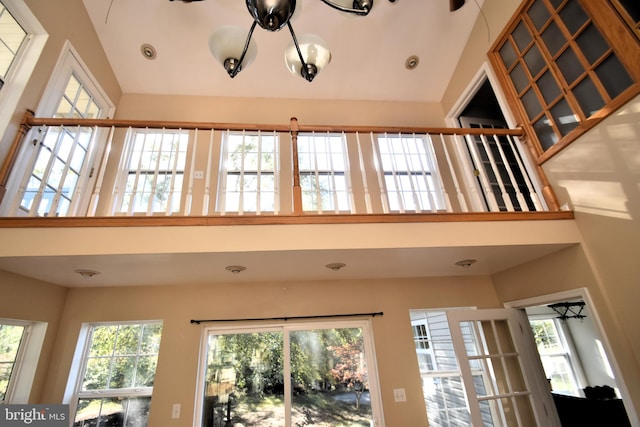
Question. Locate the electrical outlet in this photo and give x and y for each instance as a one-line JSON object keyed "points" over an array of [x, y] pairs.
{"points": [[399, 395], [175, 411], [198, 174]]}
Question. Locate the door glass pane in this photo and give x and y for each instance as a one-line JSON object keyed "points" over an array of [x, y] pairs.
{"points": [[613, 76], [244, 382], [329, 380]]}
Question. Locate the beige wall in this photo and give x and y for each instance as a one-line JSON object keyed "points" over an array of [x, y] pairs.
{"points": [[176, 306], [35, 301]]}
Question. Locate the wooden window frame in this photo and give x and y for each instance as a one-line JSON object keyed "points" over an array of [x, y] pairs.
{"points": [[623, 43]]}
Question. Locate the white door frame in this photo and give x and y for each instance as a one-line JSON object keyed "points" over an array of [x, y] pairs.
{"points": [[583, 293]]}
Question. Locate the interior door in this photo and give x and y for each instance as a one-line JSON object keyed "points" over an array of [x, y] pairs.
{"points": [[506, 185], [502, 377]]}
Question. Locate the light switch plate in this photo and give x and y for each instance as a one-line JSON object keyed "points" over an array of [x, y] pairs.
{"points": [[399, 395], [175, 411]]}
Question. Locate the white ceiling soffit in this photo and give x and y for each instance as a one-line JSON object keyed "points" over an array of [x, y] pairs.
{"points": [[368, 53]]}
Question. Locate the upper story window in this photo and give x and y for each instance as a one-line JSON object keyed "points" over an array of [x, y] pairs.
{"points": [[153, 176], [12, 337], [568, 65], [12, 38], [324, 178], [408, 167], [249, 172], [116, 380]]}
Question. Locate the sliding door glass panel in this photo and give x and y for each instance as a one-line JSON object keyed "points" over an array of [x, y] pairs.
{"points": [[329, 380], [244, 382]]}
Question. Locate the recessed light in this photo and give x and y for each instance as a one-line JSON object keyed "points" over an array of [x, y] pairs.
{"points": [[335, 266], [148, 51], [466, 263], [235, 269], [412, 62]]}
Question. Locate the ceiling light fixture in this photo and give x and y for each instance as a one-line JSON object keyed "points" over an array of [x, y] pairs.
{"points": [[305, 56], [86, 273], [466, 263], [148, 51]]}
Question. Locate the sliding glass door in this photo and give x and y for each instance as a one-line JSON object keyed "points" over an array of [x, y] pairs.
{"points": [[293, 375]]}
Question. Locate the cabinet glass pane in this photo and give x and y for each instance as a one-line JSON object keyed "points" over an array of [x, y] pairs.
{"points": [[588, 97], [574, 16], [569, 65], [546, 134], [508, 54], [613, 76], [519, 78], [553, 38], [521, 36], [592, 44], [531, 104], [565, 119], [534, 60], [539, 14], [548, 87]]}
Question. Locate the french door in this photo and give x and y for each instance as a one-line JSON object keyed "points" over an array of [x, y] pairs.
{"points": [[293, 375], [503, 380]]}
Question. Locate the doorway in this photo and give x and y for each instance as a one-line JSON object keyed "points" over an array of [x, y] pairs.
{"points": [[582, 377]]}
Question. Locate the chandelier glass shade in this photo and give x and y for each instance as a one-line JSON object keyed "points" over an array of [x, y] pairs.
{"points": [[305, 56]]}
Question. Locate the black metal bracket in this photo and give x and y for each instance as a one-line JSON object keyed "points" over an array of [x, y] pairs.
{"points": [[568, 310]]}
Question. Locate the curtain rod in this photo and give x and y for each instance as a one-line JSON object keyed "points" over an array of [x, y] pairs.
{"points": [[326, 316]]}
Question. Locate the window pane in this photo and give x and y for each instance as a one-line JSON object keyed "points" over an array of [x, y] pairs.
{"points": [[565, 119], [508, 54], [553, 38], [519, 78], [531, 103], [592, 44], [545, 133], [539, 14], [569, 65], [12, 36], [613, 76], [534, 60], [10, 339], [588, 97], [113, 412], [521, 36], [549, 87], [573, 16]]}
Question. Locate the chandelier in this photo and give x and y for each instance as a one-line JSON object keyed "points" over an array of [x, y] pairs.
{"points": [[305, 56]]}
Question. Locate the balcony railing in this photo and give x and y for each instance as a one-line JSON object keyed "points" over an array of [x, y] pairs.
{"points": [[247, 173]]}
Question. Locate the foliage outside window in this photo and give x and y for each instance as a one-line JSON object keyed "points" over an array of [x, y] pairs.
{"points": [[154, 171], [290, 376], [324, 180], [567, 65], [11, 339], [118, 373], [409, 173], [249, 173], [12, 38], [555, 355]]}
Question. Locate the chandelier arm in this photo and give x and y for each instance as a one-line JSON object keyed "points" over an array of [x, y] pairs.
{"points": [[295, 42], [346, 9], [244, 50]]}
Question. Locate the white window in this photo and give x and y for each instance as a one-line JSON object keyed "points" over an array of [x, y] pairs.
{"points": [[22, 40], [407, 165], [12, 39], [12, 338], [249, 173], [555, 355], [118, 370], [324, 179], [153, 174], [293, 375]]}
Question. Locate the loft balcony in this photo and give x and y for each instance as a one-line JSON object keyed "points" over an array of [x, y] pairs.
{"points": [[166, 202]]}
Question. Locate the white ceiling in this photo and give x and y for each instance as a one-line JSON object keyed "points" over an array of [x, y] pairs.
{"points": [[368, 53]]}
